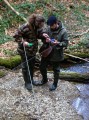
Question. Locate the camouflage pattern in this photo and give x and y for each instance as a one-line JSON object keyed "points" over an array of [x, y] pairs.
{"points": [[27, 34]]}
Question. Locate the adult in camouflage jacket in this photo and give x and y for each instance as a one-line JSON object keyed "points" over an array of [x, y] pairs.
{"points": [[29, 32], [58, 39]]}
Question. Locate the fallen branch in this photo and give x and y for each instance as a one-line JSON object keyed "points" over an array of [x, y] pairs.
{"points": [[76, 57], [16, 12]]}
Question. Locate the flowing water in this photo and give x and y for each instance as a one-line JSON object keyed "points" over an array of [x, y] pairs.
{"points": [[81, 104], [79, 68]]}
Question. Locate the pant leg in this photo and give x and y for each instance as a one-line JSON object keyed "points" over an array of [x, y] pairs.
{"points": [[31, 63], [56, 70], [43, 68], [28, 73]]}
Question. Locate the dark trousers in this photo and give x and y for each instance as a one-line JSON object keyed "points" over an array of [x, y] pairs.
{"points": [[28, 73], [55, 66]]}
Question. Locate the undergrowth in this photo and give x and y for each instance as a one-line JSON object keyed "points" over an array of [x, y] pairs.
{"points": [[9, 19]]}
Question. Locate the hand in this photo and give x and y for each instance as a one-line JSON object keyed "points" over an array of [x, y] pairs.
{"points": [[25, 43], [55, 42], [47, 37]]}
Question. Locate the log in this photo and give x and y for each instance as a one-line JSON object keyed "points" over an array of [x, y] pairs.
{"points": [[74, 77]]}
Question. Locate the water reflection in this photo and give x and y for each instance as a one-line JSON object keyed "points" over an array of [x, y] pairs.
{"points": [[79, 68], [84, 90], [81, 104]]}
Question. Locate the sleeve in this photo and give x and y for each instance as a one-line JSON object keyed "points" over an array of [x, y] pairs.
{"points": [[64, 40], [19, 33], [40, 34]]}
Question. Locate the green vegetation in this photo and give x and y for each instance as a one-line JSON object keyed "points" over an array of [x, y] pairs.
{"points": [[9, 19], [73, 76], [82, 44], [66, 13], [9, 52], [10, 62]]}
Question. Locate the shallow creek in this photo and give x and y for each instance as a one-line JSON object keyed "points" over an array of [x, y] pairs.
{"points": [[81, 104]]}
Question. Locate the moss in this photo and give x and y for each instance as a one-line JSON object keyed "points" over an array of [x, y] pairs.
{"points": [[77, 77], [10, 62], [81, 54], [73, 76], [70, 74]]}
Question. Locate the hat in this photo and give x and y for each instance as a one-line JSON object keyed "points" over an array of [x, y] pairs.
{"points": [[51, 20]]}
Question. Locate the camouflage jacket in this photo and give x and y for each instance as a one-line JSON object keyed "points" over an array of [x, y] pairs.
{"points": [[27, 34]]}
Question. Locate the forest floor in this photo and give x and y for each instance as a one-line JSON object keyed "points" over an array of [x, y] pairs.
{"points": [[73, 20]]}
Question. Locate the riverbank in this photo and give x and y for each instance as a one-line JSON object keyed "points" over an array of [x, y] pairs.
{"points": [[16, 103]]}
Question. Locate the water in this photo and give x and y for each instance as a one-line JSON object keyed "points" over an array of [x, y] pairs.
{"points": [[79, 68], [81, 104]]}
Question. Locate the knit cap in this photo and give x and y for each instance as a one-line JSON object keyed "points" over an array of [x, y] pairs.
{"points": [[51, 20]]}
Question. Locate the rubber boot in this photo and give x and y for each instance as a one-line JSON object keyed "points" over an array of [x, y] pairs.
{"points": [[54, 85]]}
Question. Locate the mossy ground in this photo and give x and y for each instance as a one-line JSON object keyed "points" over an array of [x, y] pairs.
{"points": [[10, 62]]}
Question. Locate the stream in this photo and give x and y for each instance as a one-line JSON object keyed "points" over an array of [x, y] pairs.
{"points": [[79, 68], [81, 104]]}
